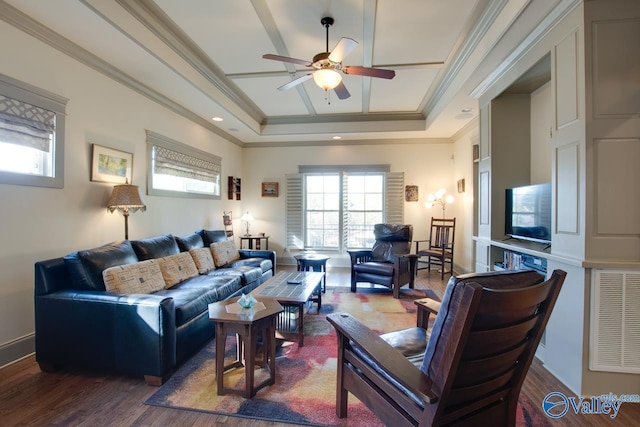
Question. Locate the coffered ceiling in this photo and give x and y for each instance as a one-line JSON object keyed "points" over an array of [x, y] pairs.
{"points": [[203, 59]]}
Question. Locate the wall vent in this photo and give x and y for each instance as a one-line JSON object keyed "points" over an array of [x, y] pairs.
{"points": [[614, 343]]}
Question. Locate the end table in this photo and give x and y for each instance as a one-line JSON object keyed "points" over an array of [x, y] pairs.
{"points": [[247, 324]]}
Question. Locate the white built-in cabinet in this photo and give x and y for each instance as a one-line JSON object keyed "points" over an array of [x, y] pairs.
{"points": [[591, 137]]}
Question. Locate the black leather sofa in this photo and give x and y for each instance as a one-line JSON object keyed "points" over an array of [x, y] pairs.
{"points": [[79, 324]]}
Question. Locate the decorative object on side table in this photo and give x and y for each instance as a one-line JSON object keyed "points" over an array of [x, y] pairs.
{"points": [[270, 189], [126, 198], [439, 198], [109, 165]]}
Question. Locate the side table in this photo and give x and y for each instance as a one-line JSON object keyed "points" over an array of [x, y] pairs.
{"points": [[247, 324], [313, 262], [258, 242]]}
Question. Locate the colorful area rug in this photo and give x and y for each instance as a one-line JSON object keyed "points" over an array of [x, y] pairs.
{"points": [[304, 393]]}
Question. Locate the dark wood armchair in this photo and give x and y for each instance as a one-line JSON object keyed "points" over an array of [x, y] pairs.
{"points": [[439, 248], [474, 362], [389, 262]]}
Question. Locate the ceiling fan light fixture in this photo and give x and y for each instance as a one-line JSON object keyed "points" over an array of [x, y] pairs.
{"points": [[327, 79]]}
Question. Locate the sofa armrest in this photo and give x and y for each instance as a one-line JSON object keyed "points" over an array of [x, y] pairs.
{"points": [[255, 253], [133, 334], [398, 370]]}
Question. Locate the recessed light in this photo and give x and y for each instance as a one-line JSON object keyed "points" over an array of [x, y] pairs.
{"points": [[337, 137], [466, 110], [217, 119]]}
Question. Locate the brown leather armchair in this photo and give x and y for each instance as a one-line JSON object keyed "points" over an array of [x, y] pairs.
{"points": [[389, 262], [467, 371]]}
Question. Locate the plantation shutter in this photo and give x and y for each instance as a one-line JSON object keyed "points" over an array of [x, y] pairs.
{"points": [[344, 240], [394, 197], [294, 216]]}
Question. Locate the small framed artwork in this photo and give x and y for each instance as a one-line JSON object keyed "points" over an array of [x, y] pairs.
{"points": [[411, 193], [269, 189], [461, 185], [109, 165]]}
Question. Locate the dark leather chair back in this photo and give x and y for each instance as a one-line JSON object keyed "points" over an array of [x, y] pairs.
{"points": [[391, 240]]}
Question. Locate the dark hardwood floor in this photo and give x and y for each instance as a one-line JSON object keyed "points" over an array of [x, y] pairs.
{"points": [[73, 398]]}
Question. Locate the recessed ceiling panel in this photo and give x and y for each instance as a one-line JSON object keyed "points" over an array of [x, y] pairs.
{"points": [[229, 32], [273, 102], [404, 92], [426, 34]]}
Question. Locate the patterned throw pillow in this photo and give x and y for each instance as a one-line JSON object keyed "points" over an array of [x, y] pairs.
{"points": [[142, 277], [177, 268], [203, 259], [224, 252]]}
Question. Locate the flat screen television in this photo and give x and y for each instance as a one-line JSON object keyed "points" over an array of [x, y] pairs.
{"points": [[528, 213]]}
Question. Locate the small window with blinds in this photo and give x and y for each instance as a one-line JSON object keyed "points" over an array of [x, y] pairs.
{"points": [[31, 135], [178, 170]]}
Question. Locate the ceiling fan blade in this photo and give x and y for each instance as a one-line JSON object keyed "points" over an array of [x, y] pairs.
{"points": [[286, 59], [296, 82], [370, 72], [342, 49], [341, 91]]}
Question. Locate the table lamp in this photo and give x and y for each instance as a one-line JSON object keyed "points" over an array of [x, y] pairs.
{"points": [[247, 218]]}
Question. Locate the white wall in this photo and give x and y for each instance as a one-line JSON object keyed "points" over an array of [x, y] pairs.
{"points": [[464, 203], [428, 166], [541, 126], [42, 223]]}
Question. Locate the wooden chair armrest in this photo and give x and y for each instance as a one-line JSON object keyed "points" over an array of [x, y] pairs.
{"points": [[418, 244], [360, 255], [391, 361]]}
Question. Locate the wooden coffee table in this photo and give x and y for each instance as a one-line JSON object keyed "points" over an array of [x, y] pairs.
{"points": [[247, 324], [294, 298]]}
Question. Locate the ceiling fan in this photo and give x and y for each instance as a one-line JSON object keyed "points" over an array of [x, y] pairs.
{"points": [[327, 64]]}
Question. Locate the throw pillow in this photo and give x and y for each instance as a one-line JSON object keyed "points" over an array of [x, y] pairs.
{"points": [[224, 252], [177, 268], [203, 259], [142, 277]]}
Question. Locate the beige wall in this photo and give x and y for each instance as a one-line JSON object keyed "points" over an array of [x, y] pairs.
{"points": [[41, 223]]}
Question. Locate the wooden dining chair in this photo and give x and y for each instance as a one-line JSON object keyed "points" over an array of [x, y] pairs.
{"points": [[476, 357], [439, 248]]}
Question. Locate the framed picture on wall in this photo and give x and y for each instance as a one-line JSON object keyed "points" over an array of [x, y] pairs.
{"points": [[109, 165], [269, 189], [411, 193]]}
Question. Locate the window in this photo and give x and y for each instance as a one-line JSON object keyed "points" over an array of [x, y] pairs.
{"points": [[178, 170], [31, 135], [333, 209]]}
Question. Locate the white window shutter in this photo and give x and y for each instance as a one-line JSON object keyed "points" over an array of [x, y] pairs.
{"points": [[294, 224], [394, 197], [344, 241]]}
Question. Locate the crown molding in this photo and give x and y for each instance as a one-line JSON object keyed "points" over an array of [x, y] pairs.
{"points": [[333, 143]]}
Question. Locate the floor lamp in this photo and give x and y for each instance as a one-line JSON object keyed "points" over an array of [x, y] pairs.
{"points": [[126, 198]]}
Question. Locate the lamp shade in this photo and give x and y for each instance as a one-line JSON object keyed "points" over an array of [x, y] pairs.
{"points": [[247, 217], [327, 79], [126, 198]]}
